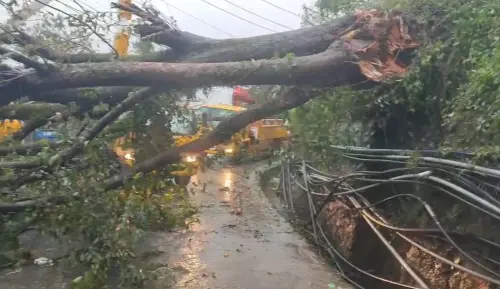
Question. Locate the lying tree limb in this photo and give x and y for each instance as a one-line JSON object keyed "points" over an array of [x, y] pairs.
{"points": [[28, 62], [305, 41], [31, 204], [293, 98], [30, 110], [165, 55], [364, 52], [376, 61], [318, 69], [35, 47], [25, 149], [86, 98], [35, 115], [228, 127], [81, 142], [29, 127]]}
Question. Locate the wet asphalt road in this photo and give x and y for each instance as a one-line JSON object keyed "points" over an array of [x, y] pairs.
{"points": [[241, 242]]}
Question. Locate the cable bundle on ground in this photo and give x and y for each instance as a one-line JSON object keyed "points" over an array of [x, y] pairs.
{"points": [[434, 183]]}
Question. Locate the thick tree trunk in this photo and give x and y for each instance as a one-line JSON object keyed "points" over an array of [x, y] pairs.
{"points": [[358, 50], [319, 70], [86, 98], [301, 42]]}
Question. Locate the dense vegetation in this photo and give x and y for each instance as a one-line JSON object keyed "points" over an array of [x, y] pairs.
{"points": [[100, 227], [447, 101]]}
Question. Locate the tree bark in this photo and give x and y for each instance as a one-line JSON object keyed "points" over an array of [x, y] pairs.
{"points": [[320, 69], [26, 111], [300, 42], [86, 98]]}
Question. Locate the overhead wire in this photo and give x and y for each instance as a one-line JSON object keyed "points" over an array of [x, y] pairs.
{"points": [[236, 16], [196, 18], [83, 23], [281, 8], [260, 16]]}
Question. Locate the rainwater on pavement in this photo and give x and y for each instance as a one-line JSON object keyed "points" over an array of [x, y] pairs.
{"points": [[241, 242]]}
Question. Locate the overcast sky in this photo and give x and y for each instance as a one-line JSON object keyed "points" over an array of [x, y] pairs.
{"points": [[236, 23]]}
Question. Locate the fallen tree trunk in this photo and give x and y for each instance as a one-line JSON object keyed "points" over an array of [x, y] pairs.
{"points": [[319, 70], [26, 111], [300, 42], [363, 49], [228, 127], [360, 34]]}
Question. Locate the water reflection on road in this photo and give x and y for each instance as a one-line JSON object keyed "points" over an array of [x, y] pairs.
{"points": [[241, 241]]}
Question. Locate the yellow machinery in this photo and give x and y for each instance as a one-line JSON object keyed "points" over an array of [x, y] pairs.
{"points": [[122, 36], [190, 163], [184, 132], [259, 136], [9, 127]]}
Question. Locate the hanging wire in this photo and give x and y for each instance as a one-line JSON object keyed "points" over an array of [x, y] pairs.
{"points": [[471, 190], [260, 16], [236, 16], [196, 18]]}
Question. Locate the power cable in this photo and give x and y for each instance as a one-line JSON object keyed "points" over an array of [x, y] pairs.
{"points": [[241, 18], [192, 16], [281, 8], [262, 17], [70, 7]]}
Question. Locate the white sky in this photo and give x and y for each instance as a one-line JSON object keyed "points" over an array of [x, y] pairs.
{"points": [[223, 21]]}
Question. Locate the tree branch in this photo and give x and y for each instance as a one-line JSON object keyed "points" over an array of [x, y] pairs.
{"points": [[301, 42], [31, 110], [83, 140], [26, 149], [166, 55], [28, 62], [86, 98], [228, 127], [35, 47]]}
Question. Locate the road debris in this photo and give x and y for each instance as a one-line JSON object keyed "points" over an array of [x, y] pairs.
{"points": [[43, 262]]}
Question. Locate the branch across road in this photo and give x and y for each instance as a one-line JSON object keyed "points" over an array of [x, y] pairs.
{"points": [[240, 242]]}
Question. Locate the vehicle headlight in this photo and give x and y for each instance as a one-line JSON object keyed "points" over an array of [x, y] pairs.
{"points": [[190, 159], [228, 150], [129, 156]]}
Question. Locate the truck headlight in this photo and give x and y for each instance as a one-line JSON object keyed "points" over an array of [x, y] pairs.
{"points": [[190, 159], [228, 151], [129, 156]]}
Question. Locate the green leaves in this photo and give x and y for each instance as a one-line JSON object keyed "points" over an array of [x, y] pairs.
{"points": [[449, 97]]}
